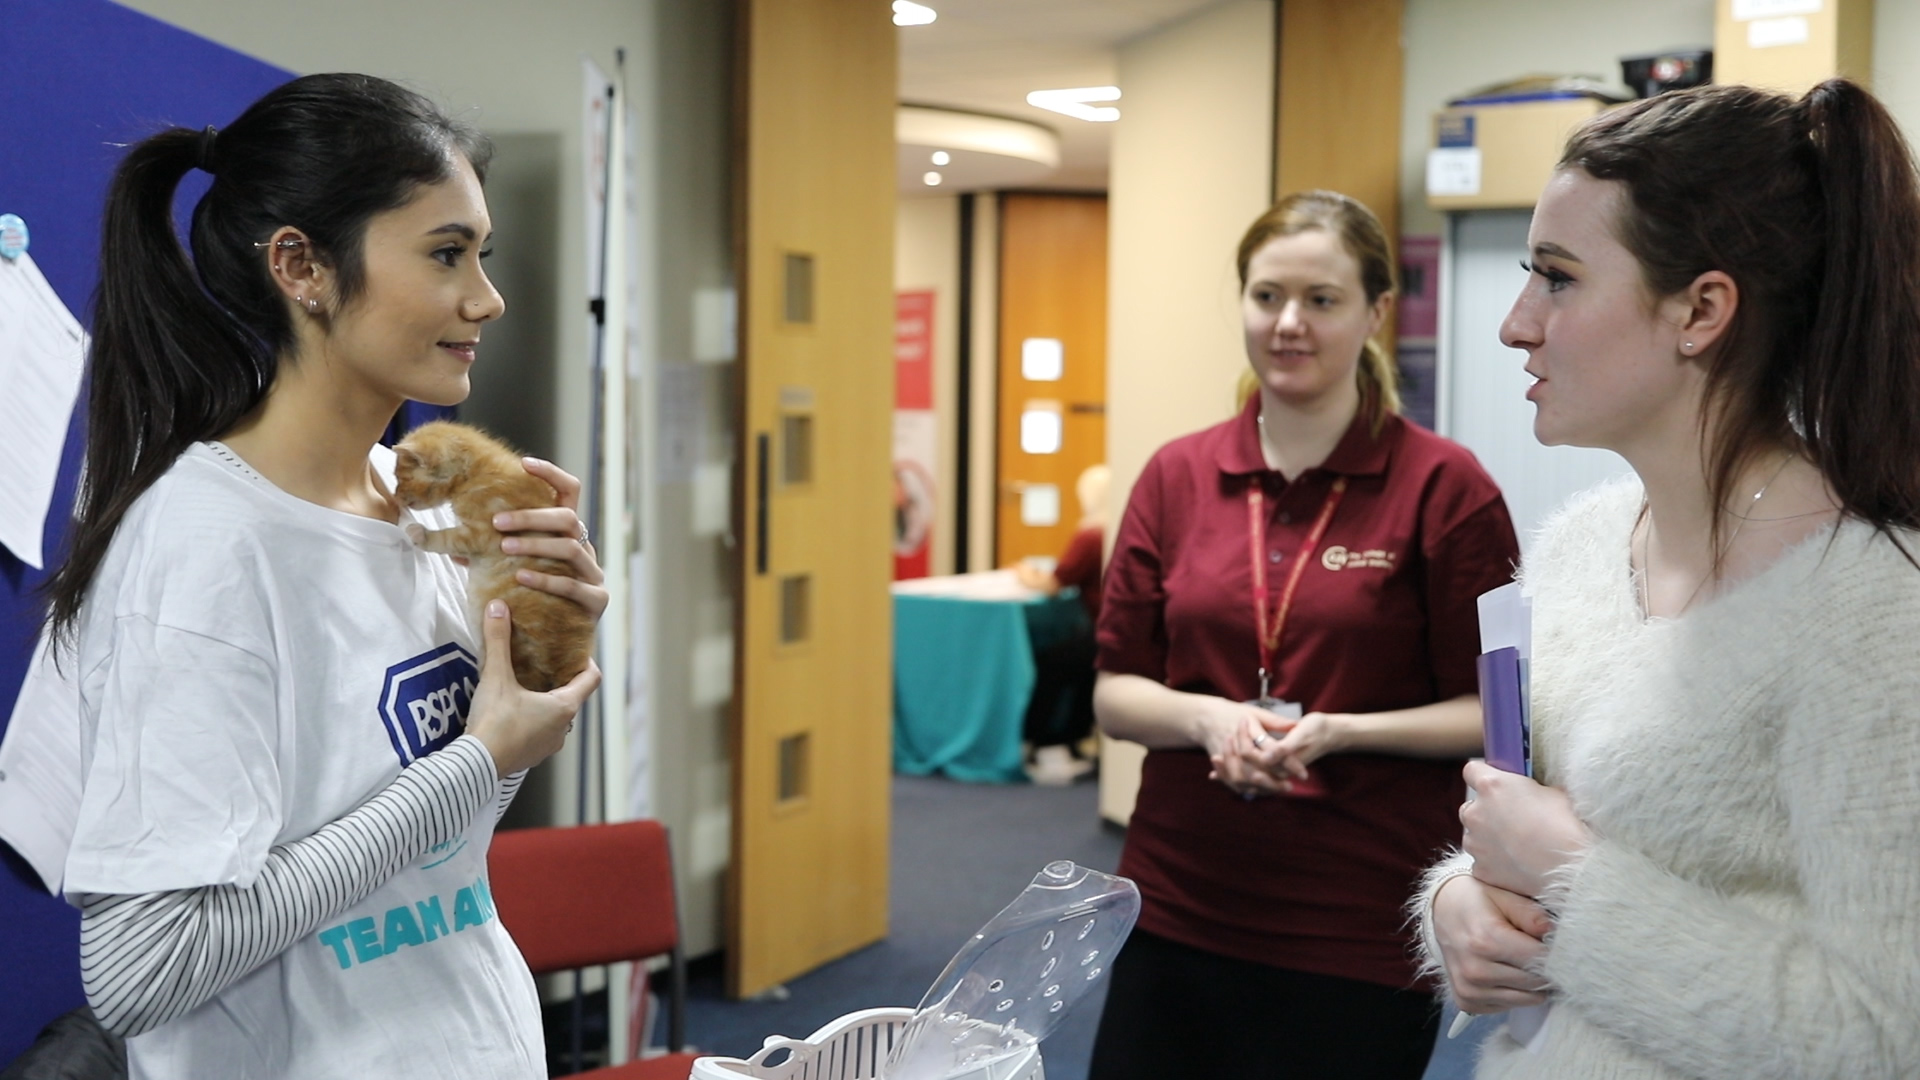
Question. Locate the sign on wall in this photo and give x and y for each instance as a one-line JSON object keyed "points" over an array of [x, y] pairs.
{"points": [[914, 434]]}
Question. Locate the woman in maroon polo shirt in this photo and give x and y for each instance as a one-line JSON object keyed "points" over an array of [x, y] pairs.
{"points": [[1290, 627]]}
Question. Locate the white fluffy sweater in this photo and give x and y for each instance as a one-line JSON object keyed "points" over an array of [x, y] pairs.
{"points": [[1751, 908]]}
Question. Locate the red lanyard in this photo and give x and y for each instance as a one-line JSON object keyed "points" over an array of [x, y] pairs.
{"points": [[1269, 624]]}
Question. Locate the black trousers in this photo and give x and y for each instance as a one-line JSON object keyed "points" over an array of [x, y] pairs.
{"points": [[1061, 709], [1176, 1011]]}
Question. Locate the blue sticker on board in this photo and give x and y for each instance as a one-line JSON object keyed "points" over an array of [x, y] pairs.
{"points": [[13, 236]]}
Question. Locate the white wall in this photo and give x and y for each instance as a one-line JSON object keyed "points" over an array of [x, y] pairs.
{"points": [[926, 245], [1896, 76], [1454, 46], [507, 66], [1192, 167]]}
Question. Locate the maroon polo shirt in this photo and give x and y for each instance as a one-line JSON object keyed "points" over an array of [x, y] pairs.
{"points": [[1384, 618]]}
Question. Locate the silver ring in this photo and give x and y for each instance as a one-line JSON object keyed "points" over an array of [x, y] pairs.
{"points": [[1259, 741], [583, 532]]}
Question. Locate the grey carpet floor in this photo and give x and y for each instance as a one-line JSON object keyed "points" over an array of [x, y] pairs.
{"points": [[960, 853]]}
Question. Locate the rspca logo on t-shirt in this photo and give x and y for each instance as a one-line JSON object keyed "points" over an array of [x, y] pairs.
{"points": [[425, 699]]}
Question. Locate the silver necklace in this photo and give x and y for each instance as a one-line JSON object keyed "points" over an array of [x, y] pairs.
{"points": [[1646, 589]]}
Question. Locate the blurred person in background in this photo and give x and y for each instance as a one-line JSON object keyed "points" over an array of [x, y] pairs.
{"points": [[1060, 714]]}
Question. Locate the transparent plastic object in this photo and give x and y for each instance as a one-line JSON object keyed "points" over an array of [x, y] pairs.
{"points": [[1013, 983]]}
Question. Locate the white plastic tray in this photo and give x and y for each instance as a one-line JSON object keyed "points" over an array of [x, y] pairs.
{"points": [[850, 1048]]}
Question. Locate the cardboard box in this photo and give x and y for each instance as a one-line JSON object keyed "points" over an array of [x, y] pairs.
{"points": [[1499, 156], [1790, 45]]}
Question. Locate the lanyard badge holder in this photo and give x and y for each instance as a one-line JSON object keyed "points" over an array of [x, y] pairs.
{"points": [[1269, 625]]}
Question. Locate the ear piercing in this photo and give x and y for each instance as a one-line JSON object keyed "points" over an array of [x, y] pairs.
{"points": [[1686, 347], [313, 306]]}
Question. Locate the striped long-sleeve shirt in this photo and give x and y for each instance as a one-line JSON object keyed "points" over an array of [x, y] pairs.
{"points": [[149, 958]]}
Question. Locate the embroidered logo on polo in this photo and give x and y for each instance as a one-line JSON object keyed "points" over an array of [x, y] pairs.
{"points": [[1340, 558], [425, 698]]}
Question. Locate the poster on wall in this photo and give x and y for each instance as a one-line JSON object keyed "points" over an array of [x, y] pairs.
{"points": [[914, 438], [1417, 349]]}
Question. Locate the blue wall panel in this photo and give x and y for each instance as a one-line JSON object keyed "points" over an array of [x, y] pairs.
{"points": [[83, 78]]}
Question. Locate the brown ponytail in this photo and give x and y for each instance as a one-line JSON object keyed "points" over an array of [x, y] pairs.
{"points": [[1813, 208], [1362, 236]]}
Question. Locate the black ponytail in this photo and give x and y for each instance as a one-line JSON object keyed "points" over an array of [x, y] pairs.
{"points": [[183, 350]]}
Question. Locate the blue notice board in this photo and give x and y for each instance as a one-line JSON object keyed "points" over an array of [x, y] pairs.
{"points": [[83, 78]]}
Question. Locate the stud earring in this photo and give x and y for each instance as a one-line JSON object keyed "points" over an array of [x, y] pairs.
{"points": [[1687, 347]]}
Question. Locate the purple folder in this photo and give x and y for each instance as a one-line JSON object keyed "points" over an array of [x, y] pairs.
{"points": [[1503, 711]]}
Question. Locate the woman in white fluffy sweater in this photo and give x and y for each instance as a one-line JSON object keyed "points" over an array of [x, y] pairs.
{"points": [[1719, 872]]}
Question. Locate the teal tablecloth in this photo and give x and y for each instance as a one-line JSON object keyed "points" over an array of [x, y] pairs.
{"points": [[962, 675]]}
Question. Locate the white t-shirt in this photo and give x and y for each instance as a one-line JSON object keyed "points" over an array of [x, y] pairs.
{"points": [[252, 667]]}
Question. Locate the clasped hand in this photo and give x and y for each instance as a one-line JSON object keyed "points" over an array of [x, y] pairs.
{"points": [[1519, 832], [1255, 752], [1489, 926]]}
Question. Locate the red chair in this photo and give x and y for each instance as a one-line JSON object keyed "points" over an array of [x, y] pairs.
{"points": [[595, 894]]}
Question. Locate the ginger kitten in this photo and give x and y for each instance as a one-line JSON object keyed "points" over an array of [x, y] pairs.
{"points": [[445, 462]]}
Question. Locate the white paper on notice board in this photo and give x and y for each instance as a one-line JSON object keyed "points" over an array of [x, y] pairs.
{"points": [[42, 352], [1453, 170]]}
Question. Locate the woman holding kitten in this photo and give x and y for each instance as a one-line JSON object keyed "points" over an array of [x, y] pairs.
{"points": [[295, 751]]}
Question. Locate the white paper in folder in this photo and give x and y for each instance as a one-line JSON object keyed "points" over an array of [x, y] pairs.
{"points": [[42, 352]]}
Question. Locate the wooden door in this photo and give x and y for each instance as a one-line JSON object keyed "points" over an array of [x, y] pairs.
{"points": [[812, 774], [1053, 366]]}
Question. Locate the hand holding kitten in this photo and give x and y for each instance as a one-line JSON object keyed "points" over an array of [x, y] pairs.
{"points": [[544, 569], [519, 727]]}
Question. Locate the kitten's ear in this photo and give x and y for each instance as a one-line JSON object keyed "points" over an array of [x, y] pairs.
{"points": [[406, 457]]}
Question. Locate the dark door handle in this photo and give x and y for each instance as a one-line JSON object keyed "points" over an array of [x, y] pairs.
{"points": [[760, 503]]}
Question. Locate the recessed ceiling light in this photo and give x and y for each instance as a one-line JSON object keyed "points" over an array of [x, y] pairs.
{"points": [[941, 157], [932, 179], [908, 13], [1074, 102]]}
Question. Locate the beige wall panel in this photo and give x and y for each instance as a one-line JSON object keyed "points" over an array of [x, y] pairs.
{"points": [[1838, 41], [1192, 168], [1453, 46], [1340, 97]]}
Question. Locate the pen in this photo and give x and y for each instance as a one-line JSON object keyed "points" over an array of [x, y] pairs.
{"points": [[1460, 1024]]}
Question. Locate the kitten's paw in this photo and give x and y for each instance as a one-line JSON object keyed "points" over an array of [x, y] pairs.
{"points": [[417, 533]]}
